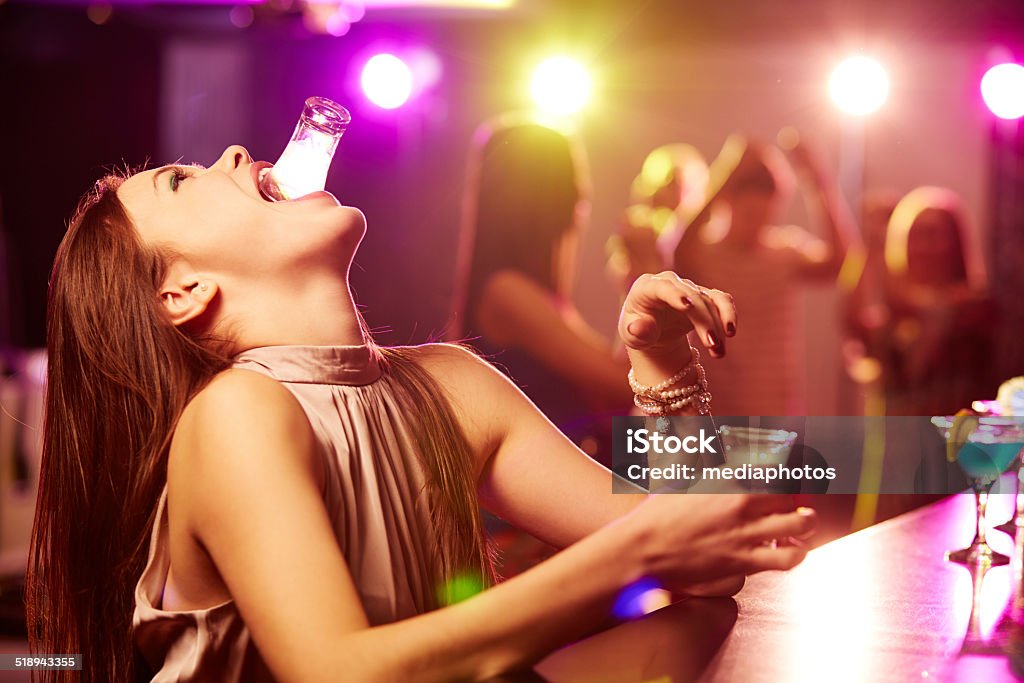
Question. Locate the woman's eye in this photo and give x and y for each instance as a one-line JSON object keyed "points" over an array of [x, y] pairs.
{"points": [[176, 178]]}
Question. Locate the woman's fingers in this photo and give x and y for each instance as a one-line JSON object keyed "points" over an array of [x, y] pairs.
{"points": [[797, 524], [655, 313], [641, 330], [726, 306], [696, 302], [766, 557], [756, 506], [710, 312], [712, 330]]}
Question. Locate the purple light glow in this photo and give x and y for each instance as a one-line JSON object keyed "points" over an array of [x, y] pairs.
{"points": [[640, 598], [241, 16]]}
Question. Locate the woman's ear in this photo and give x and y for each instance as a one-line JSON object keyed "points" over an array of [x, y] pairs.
{"points": [[186, 294]]}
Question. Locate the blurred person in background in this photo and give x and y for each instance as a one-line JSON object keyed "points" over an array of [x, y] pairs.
{"points": [[665, 196], [734, 243], [925, 344], [526, 205]]}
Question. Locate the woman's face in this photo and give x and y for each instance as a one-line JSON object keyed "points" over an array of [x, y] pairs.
{"points": [[217, 219], [934, 253]]}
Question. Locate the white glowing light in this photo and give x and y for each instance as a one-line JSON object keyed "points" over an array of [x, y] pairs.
{"points": [[859, 85], [387, 81], [1002, 87], [560, 85]]}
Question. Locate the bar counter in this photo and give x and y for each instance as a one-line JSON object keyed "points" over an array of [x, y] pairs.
{"points": [[878, 605]]}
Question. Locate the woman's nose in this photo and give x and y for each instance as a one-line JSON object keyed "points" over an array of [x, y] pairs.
{"points": [[232, 157]]}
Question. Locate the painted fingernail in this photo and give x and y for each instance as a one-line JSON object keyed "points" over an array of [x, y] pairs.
{"points": [[687, 301], [730, 328], [716, 345]]}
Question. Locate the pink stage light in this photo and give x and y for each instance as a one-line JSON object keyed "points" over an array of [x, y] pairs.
{"points": [[1002, 88]]}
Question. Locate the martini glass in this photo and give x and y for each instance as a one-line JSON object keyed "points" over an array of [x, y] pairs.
{"points": [[1010, 525], [983, 453], [758, 447]]}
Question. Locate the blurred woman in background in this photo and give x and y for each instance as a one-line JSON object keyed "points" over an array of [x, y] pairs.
{"points": [[526, 204], [931, 337]]}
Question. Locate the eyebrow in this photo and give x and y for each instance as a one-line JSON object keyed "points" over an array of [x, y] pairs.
{"points": [[158, 174]]}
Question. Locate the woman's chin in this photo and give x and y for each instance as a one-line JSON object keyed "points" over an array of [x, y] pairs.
{"points": [[343, 222], [347, 227], [357, 221]]}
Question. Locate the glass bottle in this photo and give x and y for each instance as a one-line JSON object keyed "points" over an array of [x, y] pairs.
{"points": [[302, 167]]}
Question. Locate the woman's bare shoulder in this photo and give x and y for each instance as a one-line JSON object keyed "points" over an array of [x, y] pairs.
{"points": [[237, 393], [457, 367], [236, 408], [480, 395]]}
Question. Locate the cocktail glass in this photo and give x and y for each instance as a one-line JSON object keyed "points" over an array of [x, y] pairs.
{"points": [[984, 447], [757, 447]]}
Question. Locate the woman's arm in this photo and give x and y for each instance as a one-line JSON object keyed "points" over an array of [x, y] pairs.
{"points": [[517, 311], [530, 474], [826, 201], [243, 479], [736, 154]]}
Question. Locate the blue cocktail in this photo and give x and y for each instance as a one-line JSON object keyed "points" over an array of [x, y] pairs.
{"points": [[984, 447]]}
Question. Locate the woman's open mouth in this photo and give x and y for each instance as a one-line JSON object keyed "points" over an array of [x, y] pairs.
{"points": [[266, 187]]}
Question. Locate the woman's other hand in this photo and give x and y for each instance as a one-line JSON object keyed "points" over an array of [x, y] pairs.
{"points": [[700, 544], [661, 310], [720, 588]]}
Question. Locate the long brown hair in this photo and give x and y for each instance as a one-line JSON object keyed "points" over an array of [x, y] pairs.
{"points": [[119, 377], [969, 269], [464, 558], [523, 186]]}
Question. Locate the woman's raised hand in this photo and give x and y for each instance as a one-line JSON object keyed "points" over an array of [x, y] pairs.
{"points": [[633, 250], [660, 310]]}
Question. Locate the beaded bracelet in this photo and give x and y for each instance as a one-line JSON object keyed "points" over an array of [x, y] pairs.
{"points": [[702, 400], [653, 392], [666, 397]]}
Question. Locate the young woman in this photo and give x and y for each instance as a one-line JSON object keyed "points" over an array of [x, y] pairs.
{"points": [[238, 485], [526, 205], [931, 334]]}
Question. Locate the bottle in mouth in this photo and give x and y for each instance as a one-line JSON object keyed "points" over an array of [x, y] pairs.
{"points": [[303, 165]]}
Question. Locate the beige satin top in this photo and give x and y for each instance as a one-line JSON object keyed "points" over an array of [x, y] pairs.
{"points": [[373, 492]]}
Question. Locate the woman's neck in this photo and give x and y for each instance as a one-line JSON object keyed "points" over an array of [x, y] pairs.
{"points": [[311, 313]]}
